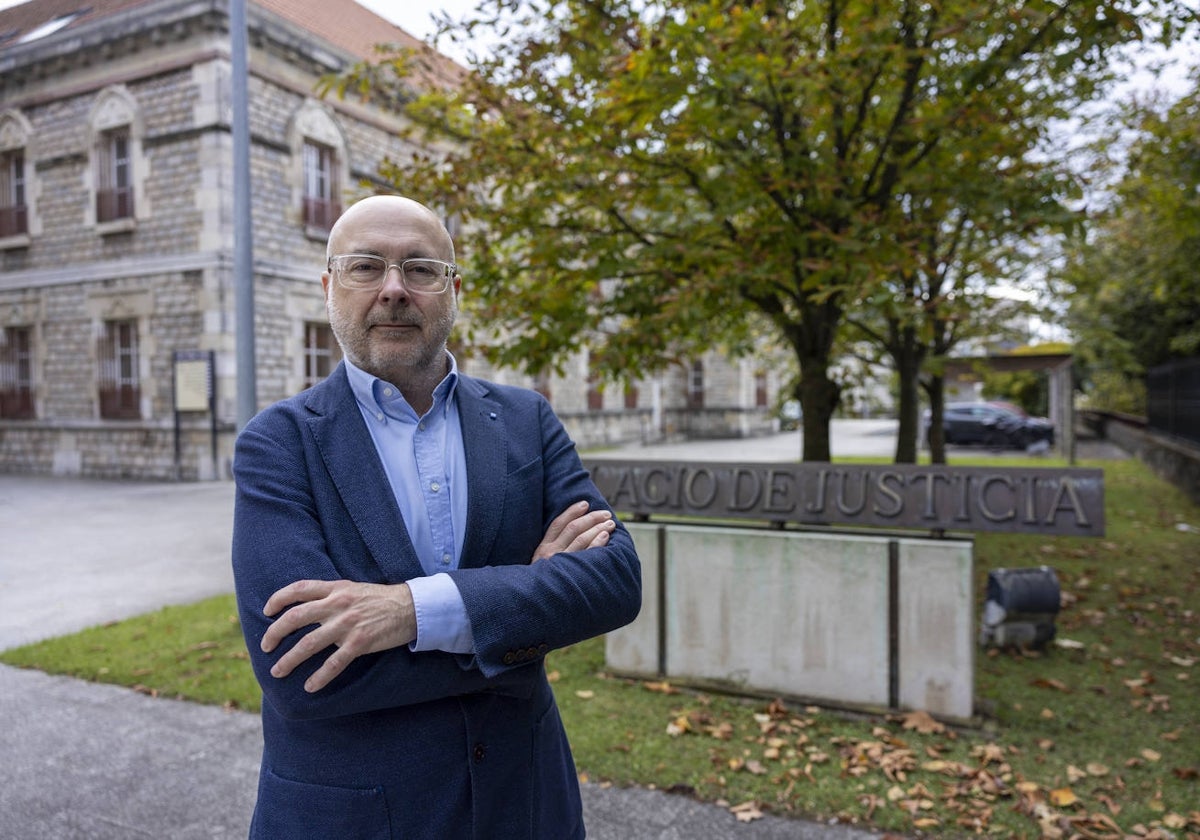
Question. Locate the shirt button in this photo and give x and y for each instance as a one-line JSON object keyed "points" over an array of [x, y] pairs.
{"points": [[387, 392], [379, 415], [421, 426], [445, 559], [435, 487]]}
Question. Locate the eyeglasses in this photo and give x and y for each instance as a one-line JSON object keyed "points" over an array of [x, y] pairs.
{"points": [[366, 273]]}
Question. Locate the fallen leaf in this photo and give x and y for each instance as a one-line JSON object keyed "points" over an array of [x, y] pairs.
{"points": [[1057, 685], [746, 812], [1150, 755], [922, 722], [1095, 768], [660, 687], [1175, 821], [1187, 774], [1074, 774], [755, 767], [585, 694], [1063, 797]]}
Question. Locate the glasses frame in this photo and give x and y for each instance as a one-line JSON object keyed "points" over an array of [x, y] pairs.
{"points": [[450, 270]]}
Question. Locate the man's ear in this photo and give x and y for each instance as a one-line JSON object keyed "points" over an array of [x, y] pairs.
{"points": [[325, 281]]}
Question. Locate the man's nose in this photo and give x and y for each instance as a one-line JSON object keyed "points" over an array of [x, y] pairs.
{"points": [[393, 287]]}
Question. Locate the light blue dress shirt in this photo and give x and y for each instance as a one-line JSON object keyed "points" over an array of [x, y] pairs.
{"points": [[426, 466]]}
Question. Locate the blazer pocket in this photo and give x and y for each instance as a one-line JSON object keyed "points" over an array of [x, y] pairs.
{"points": [[298, 809]]}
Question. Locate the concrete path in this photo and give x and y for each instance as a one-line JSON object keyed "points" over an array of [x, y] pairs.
{"points": [[80, 761]]}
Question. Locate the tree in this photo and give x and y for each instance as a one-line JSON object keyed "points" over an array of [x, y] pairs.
{"points": [[1136, 298], [652, 179]]}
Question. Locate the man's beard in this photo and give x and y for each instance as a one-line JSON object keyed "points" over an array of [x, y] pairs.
{"points": [[384, 359]]}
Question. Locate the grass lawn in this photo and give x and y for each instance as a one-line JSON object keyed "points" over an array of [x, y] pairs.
{"points": [[1097, 737]]}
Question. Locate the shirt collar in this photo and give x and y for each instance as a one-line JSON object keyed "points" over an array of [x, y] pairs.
{"points": [[372, 392]]}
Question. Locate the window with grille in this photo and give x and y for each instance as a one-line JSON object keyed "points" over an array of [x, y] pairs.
{"points": [[120, 392], [14, 214], [631, 397], [16, 373], [321, 352], [320, 186], [760, 389], [114, 191], [595, 393], [695, 393]]}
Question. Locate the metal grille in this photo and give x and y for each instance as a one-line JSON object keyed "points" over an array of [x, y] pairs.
{"points": [[1173, 398]]}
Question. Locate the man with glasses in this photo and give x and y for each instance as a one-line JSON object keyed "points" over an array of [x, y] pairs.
{"points": [[409, 543]]}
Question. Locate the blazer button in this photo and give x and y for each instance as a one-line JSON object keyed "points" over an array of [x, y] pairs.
{"points": [[509, 658], [480, 752]]}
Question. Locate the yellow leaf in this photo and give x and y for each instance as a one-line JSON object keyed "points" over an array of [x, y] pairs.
{"points": [[585, 694], [1151, 755], [1063, 797], [1095, 768], [923, 722]]}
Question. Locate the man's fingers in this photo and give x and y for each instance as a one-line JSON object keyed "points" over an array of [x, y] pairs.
{"points": [[593, 537], [294, 593], [563, 520]]}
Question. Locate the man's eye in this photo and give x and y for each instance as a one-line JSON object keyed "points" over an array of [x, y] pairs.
{"points": [[421, 270], [364, 266]]}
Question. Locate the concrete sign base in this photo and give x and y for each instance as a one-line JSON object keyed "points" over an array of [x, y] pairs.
{"points": [[875, 622]]}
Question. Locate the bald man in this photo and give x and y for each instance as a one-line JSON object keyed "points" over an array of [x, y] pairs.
{"points": [[409, 543]]}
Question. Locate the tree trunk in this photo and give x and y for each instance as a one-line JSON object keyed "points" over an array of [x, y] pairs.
{"points": [[819, 396], [908, 356], [936, 389]]}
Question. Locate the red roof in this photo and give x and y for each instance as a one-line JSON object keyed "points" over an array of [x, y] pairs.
{"points": [[343, 23]]}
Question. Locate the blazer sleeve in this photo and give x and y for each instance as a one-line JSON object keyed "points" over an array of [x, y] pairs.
{"points": [[284, 531], [519, 610]]}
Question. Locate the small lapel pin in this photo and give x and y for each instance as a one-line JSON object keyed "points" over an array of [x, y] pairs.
{"points": [[492, 415]]}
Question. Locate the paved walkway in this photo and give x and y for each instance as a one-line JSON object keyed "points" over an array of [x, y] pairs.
{"points": [[82, 761]]}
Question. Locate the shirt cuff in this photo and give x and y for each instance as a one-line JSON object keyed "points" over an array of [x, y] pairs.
{"points": [[442, 621]]}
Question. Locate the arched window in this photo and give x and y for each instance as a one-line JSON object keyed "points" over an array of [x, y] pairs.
{"points": [[117, 165], [15, 179], [320, 166]]}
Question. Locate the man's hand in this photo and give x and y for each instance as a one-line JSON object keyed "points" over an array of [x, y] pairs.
{"points": [[574, 530], [357, 618]]}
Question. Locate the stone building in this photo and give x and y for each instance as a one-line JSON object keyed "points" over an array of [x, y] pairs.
{"points": [[117, 327]]}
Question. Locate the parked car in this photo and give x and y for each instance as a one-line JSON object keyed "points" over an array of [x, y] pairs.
{"points": [[993, 424]]}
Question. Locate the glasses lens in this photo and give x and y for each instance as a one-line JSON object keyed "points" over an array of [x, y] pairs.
{"points": [[359, 271], [426, 275]]}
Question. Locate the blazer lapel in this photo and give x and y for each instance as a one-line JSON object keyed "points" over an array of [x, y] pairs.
{"points": [[352, 461], [485, 443]]}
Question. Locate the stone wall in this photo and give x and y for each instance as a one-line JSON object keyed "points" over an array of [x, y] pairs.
{"points": [[1174, 459]]}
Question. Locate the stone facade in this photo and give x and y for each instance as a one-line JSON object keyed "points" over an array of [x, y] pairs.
{"points": [[141, 94]]}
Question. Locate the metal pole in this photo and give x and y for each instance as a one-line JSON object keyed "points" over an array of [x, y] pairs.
{"points": [[243, 233]]}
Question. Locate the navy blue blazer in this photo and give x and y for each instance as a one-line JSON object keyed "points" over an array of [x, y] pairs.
{"points": [[430, 745]]}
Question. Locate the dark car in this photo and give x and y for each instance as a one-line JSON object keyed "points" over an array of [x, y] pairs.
{"points": [[995, 425]]}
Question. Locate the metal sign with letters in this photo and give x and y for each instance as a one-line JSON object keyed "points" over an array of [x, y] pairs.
{"points": [[927, 497]]}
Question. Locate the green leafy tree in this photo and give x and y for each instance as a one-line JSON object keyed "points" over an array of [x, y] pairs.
{"points": [[653, 179], [1136, 298]]}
